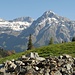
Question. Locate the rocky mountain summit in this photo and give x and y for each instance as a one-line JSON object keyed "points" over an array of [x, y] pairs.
{"points": [[33, 64]]}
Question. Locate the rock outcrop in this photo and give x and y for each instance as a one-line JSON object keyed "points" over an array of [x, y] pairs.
{"points": [[33, 64]]}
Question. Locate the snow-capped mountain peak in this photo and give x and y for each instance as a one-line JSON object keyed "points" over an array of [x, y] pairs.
{"points": [[50, 25], [48, 17], [49, 14]]}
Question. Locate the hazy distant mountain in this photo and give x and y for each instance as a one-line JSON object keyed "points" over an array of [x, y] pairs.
{"points": [[14, 27], [24, 19], [47, 26]]}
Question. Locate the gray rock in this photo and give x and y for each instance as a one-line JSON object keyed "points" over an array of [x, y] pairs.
{"points": [[68, 66], [65, 56], [60, 57], [57, 73]]}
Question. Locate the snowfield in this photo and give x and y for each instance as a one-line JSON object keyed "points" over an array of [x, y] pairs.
{"points": [[16, 26]]}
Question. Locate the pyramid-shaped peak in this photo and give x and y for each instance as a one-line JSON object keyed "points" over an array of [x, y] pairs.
{"points": [[49, 12]]}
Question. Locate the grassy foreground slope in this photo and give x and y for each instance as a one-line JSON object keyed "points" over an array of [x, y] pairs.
{"points": [[45, 51]]}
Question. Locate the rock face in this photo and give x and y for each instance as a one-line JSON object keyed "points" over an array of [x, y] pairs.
{"points": [[29, 65]]}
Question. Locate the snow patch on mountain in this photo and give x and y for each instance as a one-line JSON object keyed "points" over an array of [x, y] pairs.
{"points": [[16, 25]]}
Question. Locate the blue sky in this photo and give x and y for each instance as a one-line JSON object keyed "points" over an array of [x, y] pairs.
{"points": [[10, 9]]}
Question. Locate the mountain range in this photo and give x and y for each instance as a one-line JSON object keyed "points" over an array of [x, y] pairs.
{"points": [[14, 34], [14, 27]]}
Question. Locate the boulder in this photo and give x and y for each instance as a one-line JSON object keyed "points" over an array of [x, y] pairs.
{"points": [[31, 55], [40, 58], [66, 56]]}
